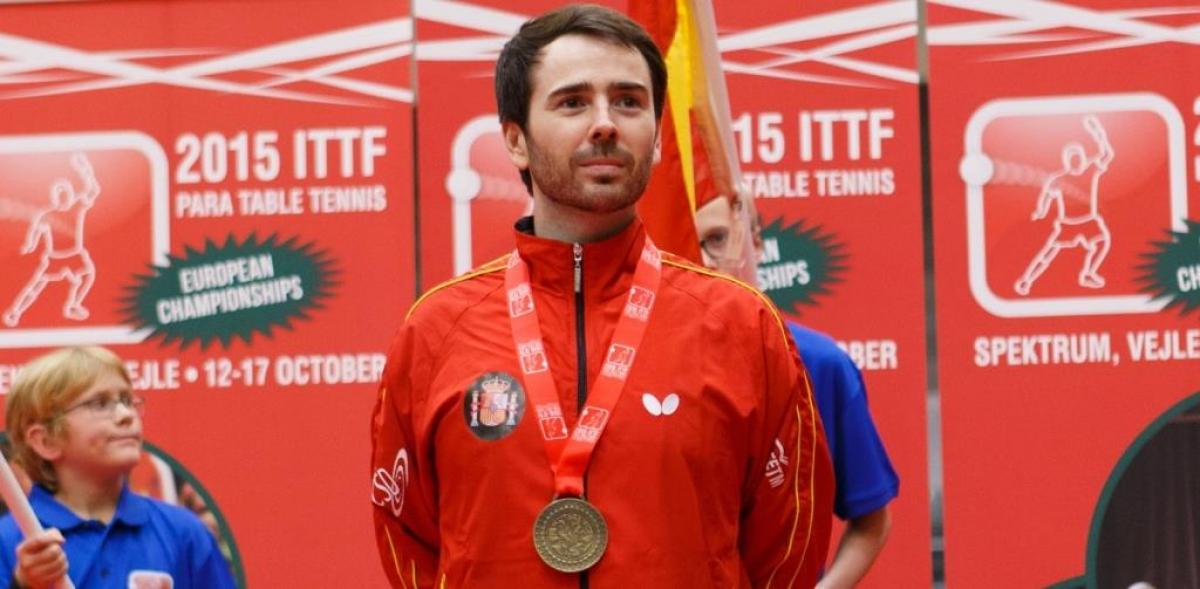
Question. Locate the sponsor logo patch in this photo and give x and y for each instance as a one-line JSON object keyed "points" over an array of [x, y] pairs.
{"points": [[591, 423], [776, 464], [619, 361], [520, 301], [389, 487], [668, 406], [550, 417], [652, 257], [150, 580], [641, 300], [533, 357]]}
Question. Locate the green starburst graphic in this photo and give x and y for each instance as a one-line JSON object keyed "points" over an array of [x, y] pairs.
{"points": [[1172, 268], [799, 263], [230, 290]]}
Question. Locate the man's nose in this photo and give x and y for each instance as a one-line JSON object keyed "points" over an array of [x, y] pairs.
{"points": [[604, 130]]}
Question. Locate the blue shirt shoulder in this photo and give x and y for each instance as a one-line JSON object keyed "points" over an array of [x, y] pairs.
{"points": [[866, 480], [146, 542]]}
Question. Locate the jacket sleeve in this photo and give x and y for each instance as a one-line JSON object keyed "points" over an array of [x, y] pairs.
{"points": [[789, 490], [403, 486]]}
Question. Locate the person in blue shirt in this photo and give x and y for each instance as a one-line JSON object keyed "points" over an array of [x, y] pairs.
{"points": [[866, 482], [76, 430]]}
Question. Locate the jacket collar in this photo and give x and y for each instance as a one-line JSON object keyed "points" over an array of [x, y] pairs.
{"points": [[608, 265], [132, 509]]}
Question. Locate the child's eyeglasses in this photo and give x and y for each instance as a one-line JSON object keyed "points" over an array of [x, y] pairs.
{"points": [[106, 405]]}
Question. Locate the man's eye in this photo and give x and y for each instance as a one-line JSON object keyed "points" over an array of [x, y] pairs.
{"points": [[715, 239], [629, 102], [571, 103]]}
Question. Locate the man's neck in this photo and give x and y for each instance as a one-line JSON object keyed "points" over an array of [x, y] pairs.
{"points": [[571, 225], [88, 497]]}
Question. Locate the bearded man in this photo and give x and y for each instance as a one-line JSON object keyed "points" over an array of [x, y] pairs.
{"points": [[588, 411]]}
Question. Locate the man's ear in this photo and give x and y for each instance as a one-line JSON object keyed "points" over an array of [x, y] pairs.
{"points": [[47, 445], [514, 142]]}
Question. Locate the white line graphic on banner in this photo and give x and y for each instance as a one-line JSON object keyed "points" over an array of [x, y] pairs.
{"points": [[70, 261], [369, 44], [868, 27], [466, 182], [32, 61], [463, 183], [1024, 21], [1075, 191], [1078, 221], [872, 26]]}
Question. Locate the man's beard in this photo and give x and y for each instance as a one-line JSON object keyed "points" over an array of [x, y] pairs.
{"points": [[558, 182]]}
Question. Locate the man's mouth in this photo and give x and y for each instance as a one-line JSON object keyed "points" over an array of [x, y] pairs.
{"points": [[602, 166], [606, 161]]}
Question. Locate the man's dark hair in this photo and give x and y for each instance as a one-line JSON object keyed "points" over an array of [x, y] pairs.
{"points": [[523, 52]]}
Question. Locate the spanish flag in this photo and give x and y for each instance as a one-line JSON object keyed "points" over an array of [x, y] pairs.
{"points": [[698, 160]]}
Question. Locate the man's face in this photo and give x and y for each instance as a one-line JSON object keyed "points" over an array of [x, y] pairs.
{"points": [[714, 227], [592, 135]]}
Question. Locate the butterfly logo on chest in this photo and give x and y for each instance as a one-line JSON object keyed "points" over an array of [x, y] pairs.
{"points": [[668, 405]]}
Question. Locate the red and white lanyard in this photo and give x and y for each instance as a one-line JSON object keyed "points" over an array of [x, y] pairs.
{"points": [[569, 454]]}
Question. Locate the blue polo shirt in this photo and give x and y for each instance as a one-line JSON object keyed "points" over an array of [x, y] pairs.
{"points": [[145, 540], [866, 480]]}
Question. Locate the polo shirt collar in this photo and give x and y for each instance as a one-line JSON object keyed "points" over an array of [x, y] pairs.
{"points": [[132, 509]]}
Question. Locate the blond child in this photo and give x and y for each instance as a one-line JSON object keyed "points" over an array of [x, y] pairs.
{"points": [[76, 429]]}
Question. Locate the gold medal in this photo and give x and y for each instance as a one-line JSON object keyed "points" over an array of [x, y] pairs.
{"points": [[570, 535]]}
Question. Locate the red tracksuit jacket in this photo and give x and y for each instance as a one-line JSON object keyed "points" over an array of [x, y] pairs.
{"points": [[713, 471]]}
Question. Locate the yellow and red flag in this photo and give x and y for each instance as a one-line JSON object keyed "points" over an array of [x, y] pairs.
{"points": [[698, 160]]}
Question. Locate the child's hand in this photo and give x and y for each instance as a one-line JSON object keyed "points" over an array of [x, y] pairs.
{"points": [[41, 561]]}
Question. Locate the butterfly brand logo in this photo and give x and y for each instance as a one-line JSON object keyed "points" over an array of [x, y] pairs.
{"points": [[668, 406]]}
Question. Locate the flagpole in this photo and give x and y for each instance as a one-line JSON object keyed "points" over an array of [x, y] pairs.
{"points": [[706, 23], [721, 117]]}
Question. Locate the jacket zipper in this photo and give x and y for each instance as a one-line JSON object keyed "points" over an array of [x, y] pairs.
{"points": [[581, 359], [580, 336]]}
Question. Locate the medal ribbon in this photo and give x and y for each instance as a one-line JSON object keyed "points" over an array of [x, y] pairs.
{"points": [[570, 453]]}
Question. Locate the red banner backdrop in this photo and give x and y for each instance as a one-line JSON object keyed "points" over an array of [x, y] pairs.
{"points": [[222, 194], [1063, 135], [825, 117]]}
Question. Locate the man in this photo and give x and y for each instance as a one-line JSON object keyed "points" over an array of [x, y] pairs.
{"points": [[70, 262], [866, 482], [587, 411]]}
